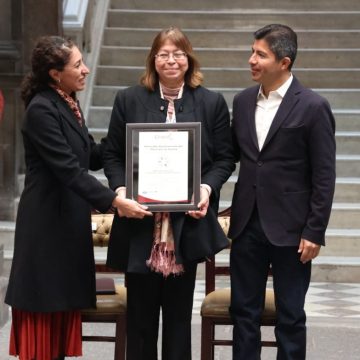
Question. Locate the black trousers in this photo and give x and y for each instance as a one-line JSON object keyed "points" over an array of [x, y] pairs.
{"points": [[250, 257], [146, 295]]}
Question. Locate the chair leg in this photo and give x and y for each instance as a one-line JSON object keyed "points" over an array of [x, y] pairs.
{"points": [[120, 338], [207, 337]]}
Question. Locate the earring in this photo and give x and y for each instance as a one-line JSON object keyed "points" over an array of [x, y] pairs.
{"points": [[58, 80]]}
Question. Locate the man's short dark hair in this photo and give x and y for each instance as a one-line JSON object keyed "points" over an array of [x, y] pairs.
{"points": [[281, 39]]}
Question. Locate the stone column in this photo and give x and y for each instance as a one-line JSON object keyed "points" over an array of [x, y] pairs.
{"points": [[8, 145], [34, 18], [22, 22]]}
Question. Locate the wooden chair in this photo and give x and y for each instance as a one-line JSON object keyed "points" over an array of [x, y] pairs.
{"points": [[215, 306], [110, 308]]}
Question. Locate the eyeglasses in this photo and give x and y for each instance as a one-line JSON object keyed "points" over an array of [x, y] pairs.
{"points": [[176, 56]]}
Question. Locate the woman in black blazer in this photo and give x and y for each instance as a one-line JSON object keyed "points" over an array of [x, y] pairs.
{"points": [[161, 265], [53, 271]]}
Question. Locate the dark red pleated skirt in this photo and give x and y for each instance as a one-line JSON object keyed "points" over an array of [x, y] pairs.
{"points": [[45, 336]]}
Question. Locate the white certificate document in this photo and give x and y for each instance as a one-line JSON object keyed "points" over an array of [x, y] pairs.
{"points": [[163, 166]]}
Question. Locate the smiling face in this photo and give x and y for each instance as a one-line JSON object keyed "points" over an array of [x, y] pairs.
{"points": [[171, 71], [72, 77], [270, 72]]}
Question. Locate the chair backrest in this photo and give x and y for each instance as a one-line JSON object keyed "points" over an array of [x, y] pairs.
{"points": [[212, 269], [111, 302], [101, 227]]}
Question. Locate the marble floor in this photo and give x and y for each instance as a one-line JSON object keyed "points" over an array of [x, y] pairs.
{"points": [[333, 311]]}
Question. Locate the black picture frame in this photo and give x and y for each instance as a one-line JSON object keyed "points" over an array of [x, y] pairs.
{"points": [[193, 166]]}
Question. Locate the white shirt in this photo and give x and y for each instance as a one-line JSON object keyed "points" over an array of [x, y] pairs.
{"points": [[266, 109]]}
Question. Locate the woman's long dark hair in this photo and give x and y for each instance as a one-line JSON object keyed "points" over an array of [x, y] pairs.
{"points": [[50, 52]]}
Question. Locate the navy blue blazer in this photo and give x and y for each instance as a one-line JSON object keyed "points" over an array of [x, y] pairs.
{"points": [[292, 179]]}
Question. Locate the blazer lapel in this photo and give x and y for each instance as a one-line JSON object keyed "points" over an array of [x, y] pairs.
{"points": [[154, 104], [67, 113], [287, 104], [252, 127], [71, 119], [185, 106], [251, 116]]}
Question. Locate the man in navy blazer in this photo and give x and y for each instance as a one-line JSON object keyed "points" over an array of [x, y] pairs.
{"points": [[284, 139]]}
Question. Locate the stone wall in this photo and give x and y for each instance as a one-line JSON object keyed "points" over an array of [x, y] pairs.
{"points": [[21, 23]]}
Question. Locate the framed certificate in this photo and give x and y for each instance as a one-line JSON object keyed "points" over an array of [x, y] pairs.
{"points": [[163, 165]]}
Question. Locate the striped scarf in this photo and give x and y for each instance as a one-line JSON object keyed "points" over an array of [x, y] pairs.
{"points": [[170, 95], [162, 258]]}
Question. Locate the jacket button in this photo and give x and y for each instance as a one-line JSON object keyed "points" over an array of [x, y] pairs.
{"points": [[254, 186], [260, 163]]}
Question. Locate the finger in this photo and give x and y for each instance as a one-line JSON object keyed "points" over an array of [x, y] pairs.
{"points": [[194, 214], [201, 204], [304, 259], [304, 256], [301, 247], [144, 207], [147, 213], [200, 214]]}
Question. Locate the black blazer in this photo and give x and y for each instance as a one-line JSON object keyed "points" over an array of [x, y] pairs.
{"points": [[53, 265], [131, 239], [292, 178]]}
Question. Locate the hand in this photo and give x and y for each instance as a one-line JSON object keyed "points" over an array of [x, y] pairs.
{"points": [[130, 208], [308, 250], [202, 205]]}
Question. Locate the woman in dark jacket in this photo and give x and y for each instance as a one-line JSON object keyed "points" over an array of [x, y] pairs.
{"points": [[160, 254], [53, 272]]}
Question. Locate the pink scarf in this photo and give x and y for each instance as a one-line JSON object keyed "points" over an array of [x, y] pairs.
{"points": [[162, 258]]}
